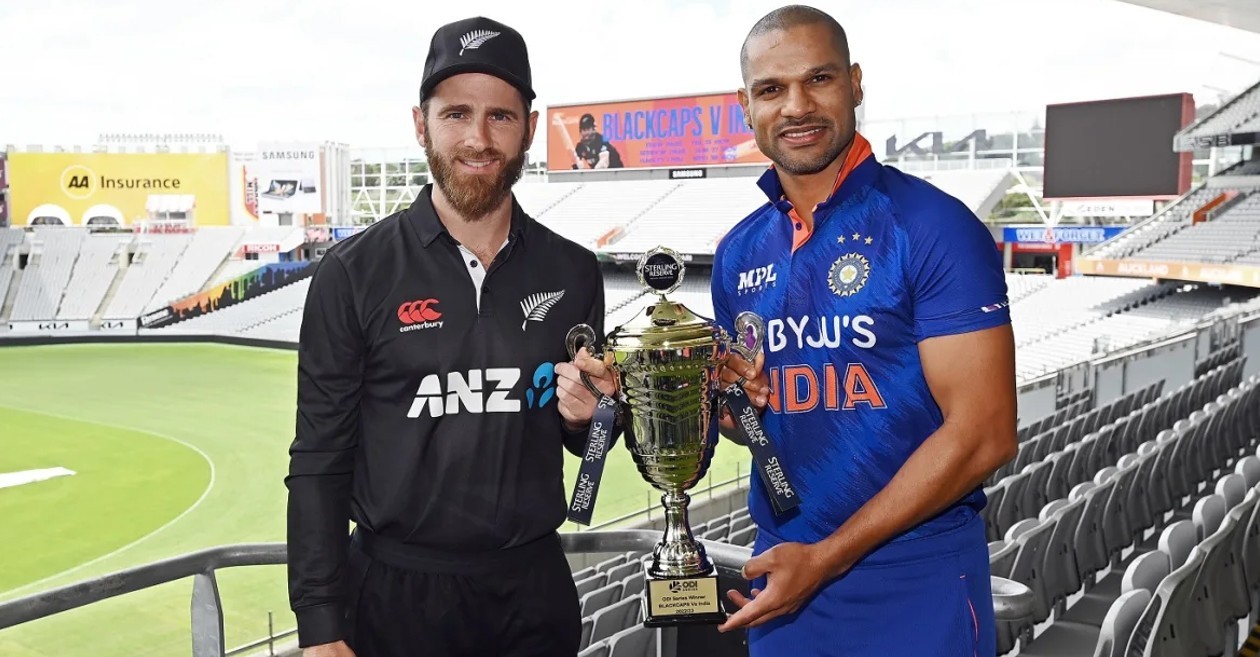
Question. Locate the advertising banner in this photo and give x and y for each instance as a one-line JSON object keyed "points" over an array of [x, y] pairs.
{"points": [[684, 131], [289, 178], [75, 187], [243, 185], [1132, 207], [50, 326], [1060, 234], [1244, 275], [242, 288], [342, 232]]}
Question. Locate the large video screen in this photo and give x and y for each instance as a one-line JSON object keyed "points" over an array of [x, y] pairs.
{"points": [[1117, 148], [685, 131]]}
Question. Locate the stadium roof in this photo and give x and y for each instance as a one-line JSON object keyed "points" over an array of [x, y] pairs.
{"points": [[1241, 14]]}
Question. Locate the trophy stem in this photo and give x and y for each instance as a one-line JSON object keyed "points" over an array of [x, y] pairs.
{"points": [[679, 554]]}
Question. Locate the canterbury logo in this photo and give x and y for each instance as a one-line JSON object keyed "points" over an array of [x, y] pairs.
{"points": [[414, 312], [474, 39], [419, 315], [536, 306]]}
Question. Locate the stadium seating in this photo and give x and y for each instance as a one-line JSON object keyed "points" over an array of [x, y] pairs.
{"points": [[1116, 331], [1243, 168], [275, 315], [94, 271], [691, 216], [537, 198], [1073, 524], [53, 253], [233, 269], [203, 257], [1241, 114], [154, 256], [1020, 286], [694, 217], [595, 208], [1134, 523], [10, 240], [1233, 234], [1173, 218], [1062, 304]]}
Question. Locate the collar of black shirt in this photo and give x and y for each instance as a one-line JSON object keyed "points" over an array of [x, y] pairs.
{"points": [[429, 227]]}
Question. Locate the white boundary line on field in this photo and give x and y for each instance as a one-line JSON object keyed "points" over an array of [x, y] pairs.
{"points": [[172, 521]]}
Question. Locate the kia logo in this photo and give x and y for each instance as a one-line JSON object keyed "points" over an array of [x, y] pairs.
{"points": [[414, 312]]}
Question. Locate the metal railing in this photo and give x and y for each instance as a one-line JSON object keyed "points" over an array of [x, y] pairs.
{"points": [[1011, 600], [653, 500]]}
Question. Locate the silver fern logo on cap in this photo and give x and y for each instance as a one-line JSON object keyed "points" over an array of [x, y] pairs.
{"points": [[474, 39], [536, 306]]}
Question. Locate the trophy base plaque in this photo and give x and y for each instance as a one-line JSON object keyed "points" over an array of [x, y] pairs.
{"points": [[670, 601]]}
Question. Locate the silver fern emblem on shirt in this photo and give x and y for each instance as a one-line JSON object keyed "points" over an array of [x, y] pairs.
{"points": [[536, 306], [474, 39]]}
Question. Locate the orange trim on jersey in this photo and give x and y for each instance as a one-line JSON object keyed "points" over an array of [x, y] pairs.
{"points": [[859, 150]]}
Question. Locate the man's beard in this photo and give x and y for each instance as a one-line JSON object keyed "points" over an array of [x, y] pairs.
{"points": [[803, 165], [474, 196]]}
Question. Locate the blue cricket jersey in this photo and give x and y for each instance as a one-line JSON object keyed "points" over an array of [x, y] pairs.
{"points": [[891, 261]]}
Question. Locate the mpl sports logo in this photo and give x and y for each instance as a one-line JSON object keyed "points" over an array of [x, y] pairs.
{"points": [[756, 280], [486, 390], [419, 315]]}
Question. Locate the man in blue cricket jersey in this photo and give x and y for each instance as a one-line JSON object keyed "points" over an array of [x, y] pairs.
{"points": [[888, 384]]}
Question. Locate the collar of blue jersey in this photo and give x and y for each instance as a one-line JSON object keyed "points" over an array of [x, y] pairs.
{"points": [[429, 227], [862, 175]]}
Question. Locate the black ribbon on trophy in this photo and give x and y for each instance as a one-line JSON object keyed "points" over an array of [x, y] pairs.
{"points": [[748, 428], [602, 434], [600, 437]]}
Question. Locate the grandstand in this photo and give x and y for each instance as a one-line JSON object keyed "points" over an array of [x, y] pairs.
{"points": [[1213, 233]]}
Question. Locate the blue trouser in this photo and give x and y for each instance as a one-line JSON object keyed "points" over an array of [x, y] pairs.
{"points": [[921, 597]]}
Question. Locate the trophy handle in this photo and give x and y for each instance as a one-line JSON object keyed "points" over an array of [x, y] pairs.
{"points": [[750, 334], [580, 336]]}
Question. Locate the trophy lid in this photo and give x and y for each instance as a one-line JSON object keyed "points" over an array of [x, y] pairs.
{"points": [[663, 323]]}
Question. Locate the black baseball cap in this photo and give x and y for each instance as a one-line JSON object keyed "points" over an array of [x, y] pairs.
{"points": [[587, 121], [477, 45]]}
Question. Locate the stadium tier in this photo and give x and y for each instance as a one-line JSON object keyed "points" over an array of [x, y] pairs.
{"points": [[1211, 234], [1230, 237], [51, 259], [276, 315], [1171, 219], [690, 216], [94, 271], [1241, 115]]}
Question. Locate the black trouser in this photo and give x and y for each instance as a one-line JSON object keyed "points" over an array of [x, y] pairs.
{"points": [[405, 603]]}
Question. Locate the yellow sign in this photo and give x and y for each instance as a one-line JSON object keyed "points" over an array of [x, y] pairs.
{"points": [[1227, 274], [76, 189]]}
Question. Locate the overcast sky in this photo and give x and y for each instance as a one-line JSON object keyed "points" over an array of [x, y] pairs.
{"points": [[348, 71]]}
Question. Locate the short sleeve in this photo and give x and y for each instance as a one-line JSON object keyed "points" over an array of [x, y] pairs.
{"points": [[955, 271], [721, 305]]}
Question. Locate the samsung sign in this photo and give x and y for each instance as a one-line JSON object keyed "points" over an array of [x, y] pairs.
{"points": [[1061, 234]]}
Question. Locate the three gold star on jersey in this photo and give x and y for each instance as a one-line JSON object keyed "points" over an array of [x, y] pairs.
{"points": [[851, 270]]}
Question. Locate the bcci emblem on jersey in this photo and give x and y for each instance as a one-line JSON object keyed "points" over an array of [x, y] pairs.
{"points": [[849, 274]]}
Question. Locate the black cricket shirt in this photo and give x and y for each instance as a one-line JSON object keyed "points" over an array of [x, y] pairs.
{"points": [[426, 403]]}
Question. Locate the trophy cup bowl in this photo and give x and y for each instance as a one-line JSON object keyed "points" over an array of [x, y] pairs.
{"points": [[667, 362]]}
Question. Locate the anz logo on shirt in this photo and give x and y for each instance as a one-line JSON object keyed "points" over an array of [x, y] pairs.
{"points": [[487, 390]]}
